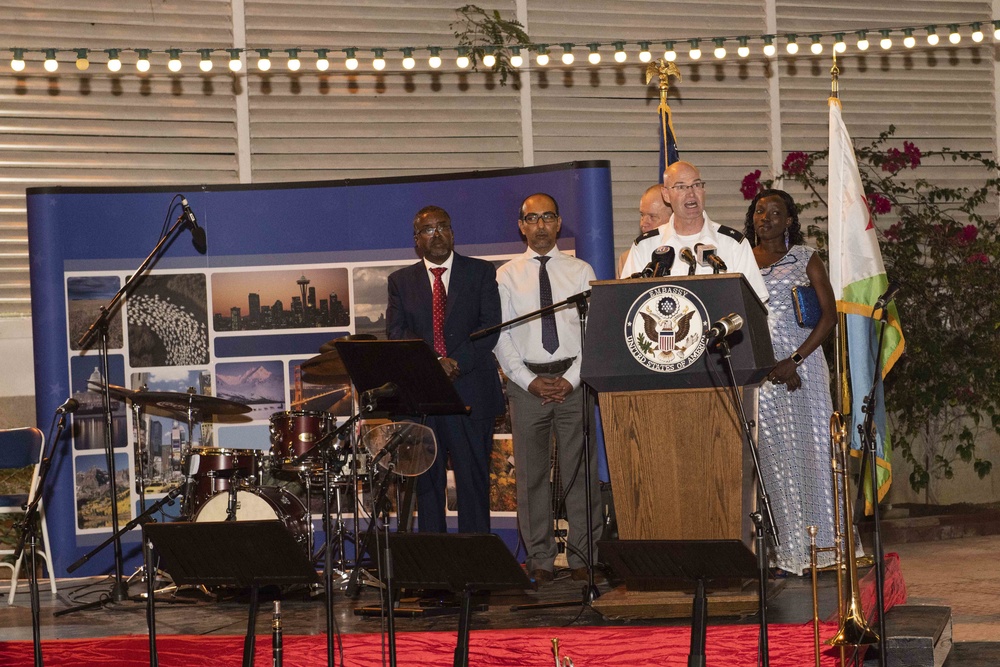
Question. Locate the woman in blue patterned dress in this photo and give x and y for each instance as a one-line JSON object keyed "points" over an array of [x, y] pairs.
{"points": [[795, 405]]}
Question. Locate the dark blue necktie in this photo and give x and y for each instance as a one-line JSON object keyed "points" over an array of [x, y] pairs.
{"points": [[550, 337]]}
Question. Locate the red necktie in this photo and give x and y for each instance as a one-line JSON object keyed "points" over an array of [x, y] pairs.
{"points": [[440, 299]]}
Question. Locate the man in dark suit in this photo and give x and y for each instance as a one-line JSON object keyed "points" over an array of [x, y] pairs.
{"points": [[466, 299]]}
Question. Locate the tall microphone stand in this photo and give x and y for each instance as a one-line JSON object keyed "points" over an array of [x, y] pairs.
{"points": [[869, 460], [581, 301], [29, 534], [99, 329], [763, 518]]}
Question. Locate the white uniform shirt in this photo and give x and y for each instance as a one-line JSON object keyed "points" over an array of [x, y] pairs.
{"points": [[518, 282], [734, 250]]}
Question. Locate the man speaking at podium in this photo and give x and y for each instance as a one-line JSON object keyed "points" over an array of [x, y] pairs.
{"points": [[443, 299], [541, 357], [693, 236]]}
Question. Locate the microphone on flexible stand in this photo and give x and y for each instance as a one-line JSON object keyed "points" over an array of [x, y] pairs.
{"points": [[388, 390], [197, 232], [659, 263], [888, 295], [689, 259], [724, 327], [70, 406], [708, 255]]}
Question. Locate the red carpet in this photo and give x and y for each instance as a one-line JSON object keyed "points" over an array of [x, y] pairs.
{"points": [[732, 645]]}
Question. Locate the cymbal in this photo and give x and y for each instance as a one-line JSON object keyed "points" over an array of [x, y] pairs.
{"points": [[325, 368], [179, 401], [329, 345], [116, 392]]}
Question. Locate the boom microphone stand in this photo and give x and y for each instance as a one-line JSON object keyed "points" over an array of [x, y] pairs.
{"points": [[580, 300], [99, 329], [29, 528]]}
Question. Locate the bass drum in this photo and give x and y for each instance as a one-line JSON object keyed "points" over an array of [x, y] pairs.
{"points": [[261, 504]]}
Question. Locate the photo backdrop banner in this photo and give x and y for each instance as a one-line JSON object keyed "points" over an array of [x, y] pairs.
{"points": [[288, 267]]}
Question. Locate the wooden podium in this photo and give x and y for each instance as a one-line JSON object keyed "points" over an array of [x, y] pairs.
{"points": [[679, 467]]}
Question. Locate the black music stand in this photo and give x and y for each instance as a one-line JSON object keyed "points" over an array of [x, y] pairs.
{"points": [[230, 553], [463, 563], [659, 564], [424, 388]]}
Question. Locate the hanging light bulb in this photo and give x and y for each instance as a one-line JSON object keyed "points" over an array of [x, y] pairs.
{"points": [[909, 41], [542, 58], [594, 57], [720, 48], [462, 62], [769, 48], [695, 51], [996, 29], [263, 59], [816, 47], [174, 60], [886, 42], [83, 62], [435, 58], [932, 36], [235, 63], [516, 59], [743, 50], [293, 59], [792, 47], [977, 33], [953, 35], [351, 62], [379, 61], [862, 40], [114, 62], [839, 45], [620, 55], [408, 60], [670, 55], [17, 62], [644, 55], [489, 58], [142, 64], [567, 56], [205, 64], [322, 59], [50, 64]]}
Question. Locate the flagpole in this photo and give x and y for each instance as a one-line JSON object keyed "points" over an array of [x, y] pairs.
{"points": [[840, 341]]}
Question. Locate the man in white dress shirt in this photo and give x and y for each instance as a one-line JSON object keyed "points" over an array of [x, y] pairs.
{"points": [[541, 358], [684, 189]]}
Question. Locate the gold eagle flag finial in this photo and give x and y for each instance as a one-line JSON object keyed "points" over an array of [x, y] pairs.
{"points": [[663, 70]]}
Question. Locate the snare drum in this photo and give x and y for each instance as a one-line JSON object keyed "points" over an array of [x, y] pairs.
{"points": [[214, 470], [294, 433], [266, 503]]}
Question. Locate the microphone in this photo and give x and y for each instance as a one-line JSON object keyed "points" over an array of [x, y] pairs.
{"points": [[197, 233], [659, 263], [888, 295], [71, 405], [689, 259], [388, 390], [725, 327], [709, 255]]}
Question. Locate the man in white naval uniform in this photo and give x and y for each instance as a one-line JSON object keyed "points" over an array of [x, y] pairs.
{"points": [[684, 189]]}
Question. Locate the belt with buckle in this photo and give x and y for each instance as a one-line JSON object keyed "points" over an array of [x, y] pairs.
{"points": [[551, 368]]}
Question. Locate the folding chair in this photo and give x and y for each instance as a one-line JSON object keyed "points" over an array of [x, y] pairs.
{"points": [[21, 450]]}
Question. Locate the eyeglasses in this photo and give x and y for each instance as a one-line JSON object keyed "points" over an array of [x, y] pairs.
{"points": [[533, 218], [680, 187], [443, 228]]}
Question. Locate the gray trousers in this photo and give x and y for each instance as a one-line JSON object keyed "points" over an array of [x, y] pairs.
{"points": [[532, 426]]}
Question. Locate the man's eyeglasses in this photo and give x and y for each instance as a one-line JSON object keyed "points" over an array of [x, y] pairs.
{"points": [[680, 187], [444, 228], [533, 218]]}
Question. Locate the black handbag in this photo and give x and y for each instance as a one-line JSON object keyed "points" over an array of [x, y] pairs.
{"points": [[807, 310]]}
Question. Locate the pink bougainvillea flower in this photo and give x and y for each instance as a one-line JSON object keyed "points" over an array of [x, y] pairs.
{"points": [[751, 185], [796, 163]]}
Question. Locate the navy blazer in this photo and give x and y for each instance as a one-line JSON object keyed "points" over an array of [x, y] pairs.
{"points": [[473, 304]]}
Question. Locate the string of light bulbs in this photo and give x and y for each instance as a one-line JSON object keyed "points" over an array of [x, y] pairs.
{"points": [[672, 49]]}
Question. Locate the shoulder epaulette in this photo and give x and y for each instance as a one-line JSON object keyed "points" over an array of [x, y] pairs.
{"points": [[731, 233], [648, 235]]}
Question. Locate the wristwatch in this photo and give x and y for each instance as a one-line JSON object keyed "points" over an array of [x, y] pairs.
{"points": [[797, 358]]}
